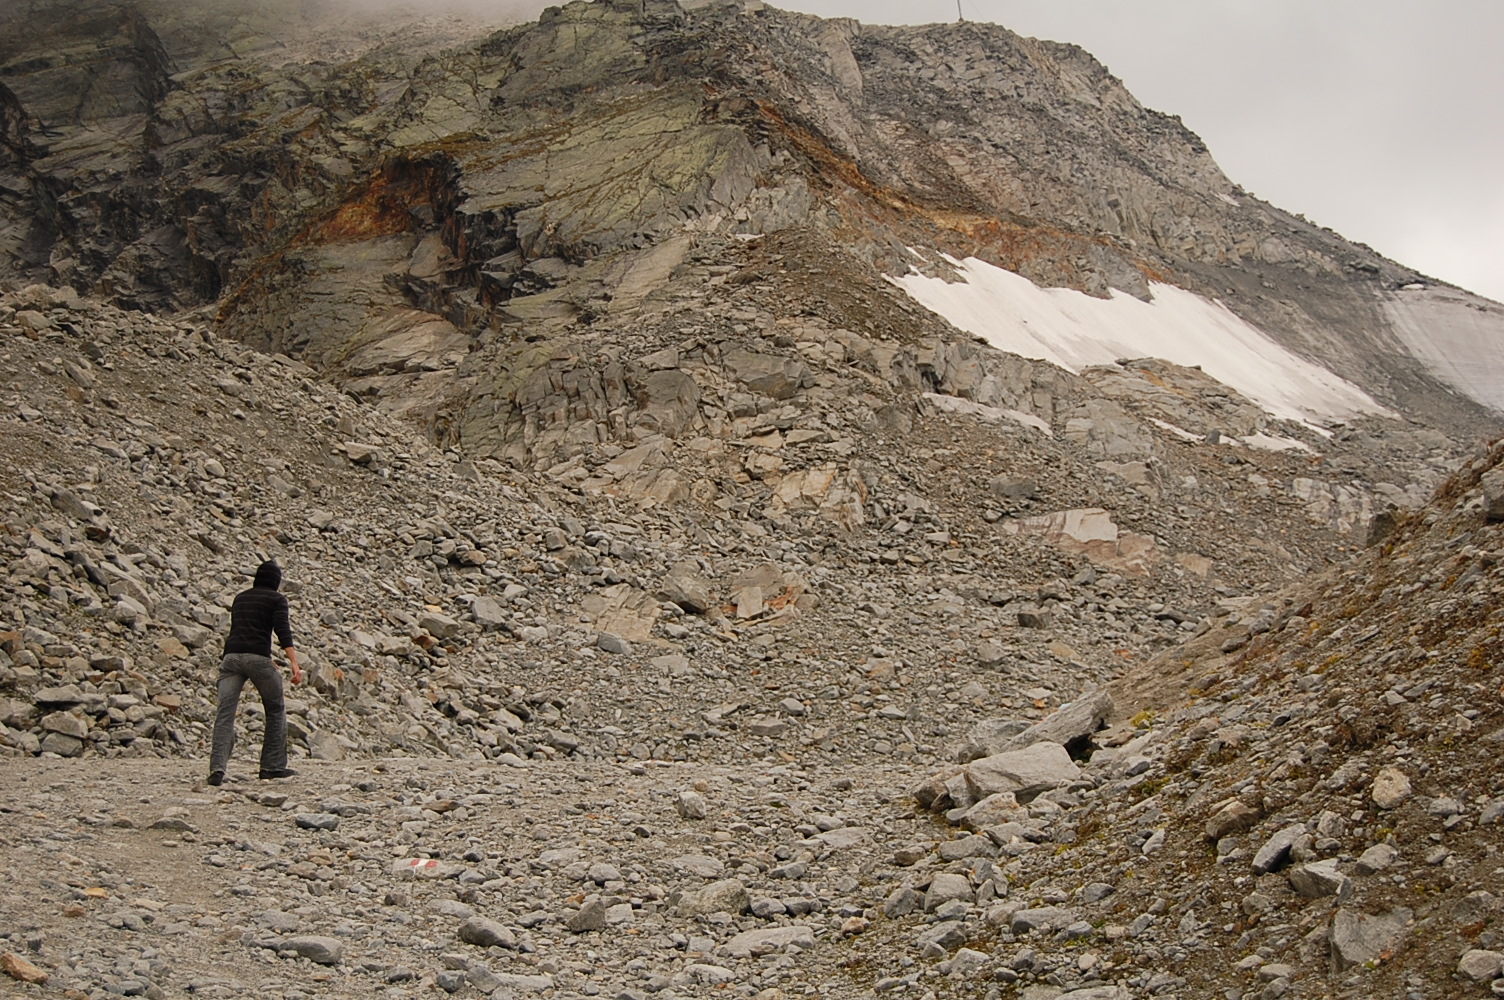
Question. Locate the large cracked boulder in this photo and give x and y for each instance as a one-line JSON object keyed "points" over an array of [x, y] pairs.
{"points": [[687, 586], [1357, 938], [1493, 495], [1072, 727], [1025, 773], [1005, 778], [772, 376], [726, 896]]}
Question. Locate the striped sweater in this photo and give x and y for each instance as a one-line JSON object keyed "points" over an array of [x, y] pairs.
{"points": [[257, 614]]}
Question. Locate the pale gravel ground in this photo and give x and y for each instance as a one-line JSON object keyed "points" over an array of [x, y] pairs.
{"points": [[77, 867]]}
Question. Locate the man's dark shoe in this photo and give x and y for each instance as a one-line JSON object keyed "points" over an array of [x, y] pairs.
{"points": [[286, 772], [216, 777]]}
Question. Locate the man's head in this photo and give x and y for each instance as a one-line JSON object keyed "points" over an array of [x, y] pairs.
{"points": [[269, 575]]}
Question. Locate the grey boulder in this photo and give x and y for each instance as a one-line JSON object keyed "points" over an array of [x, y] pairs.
{"points": [[1025, 773]]}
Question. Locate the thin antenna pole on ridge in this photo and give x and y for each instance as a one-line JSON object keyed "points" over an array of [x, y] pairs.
{"points": [[960, 16]]}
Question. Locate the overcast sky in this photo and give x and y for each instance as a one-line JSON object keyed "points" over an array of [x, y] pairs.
{"points": [[1379, 118]]}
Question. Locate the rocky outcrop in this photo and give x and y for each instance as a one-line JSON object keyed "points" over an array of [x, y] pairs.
{"points": [[709, 503], [830, 588]]}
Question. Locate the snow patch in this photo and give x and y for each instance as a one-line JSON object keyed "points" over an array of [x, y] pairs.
{"points": [[992, 414], [1175, 429], [1074, 330], [1262, 441], [1457, 335], [1274, 442]]}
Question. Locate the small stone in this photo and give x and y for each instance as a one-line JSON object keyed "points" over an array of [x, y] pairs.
{"points": [[698, 864], [1275, 853], [325, 745], [484, 932], [61, 744], [414, 868], [61, 695], [1256, 903], [1025, 773], [452, 908], [945, 936], [1475, 906], [975, 846], [600, 873], [686, 586], [316, 821], [1481, 966], [1235, 817], [967, 962], [947, 886], [710, 975], [1035, 618], [1357, 938], [767, 727], [1320, 879], [912, 854], [990, 653], [488, 614], [1040, 918], [765, 941], [439, 626], [766, 907], [1375, 859], [845, 838], [612, 643], [591, 916], [691, 805], [1443, 806], [901, 902], [1493, 494], [994, 810], [726, 896], [520, 981], [20, 969], [1391, 788], [66, 723], [317, 949]]}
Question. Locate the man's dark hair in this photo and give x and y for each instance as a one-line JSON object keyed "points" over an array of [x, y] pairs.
{"points": [[269, 575]]}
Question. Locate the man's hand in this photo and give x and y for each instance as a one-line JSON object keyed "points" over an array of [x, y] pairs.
{"points": [[297, 671]]}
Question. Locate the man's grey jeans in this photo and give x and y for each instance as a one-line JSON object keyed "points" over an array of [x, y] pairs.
{"points": [[234, 670]]}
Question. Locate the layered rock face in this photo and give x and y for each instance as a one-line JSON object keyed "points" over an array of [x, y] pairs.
{"points": [[396, 206]]}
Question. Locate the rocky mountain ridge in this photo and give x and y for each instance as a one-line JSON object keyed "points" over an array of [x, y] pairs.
{"points": [[429, 202]]}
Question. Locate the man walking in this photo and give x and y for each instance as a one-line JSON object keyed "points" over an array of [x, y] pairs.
{"points": [[255, 616]]}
